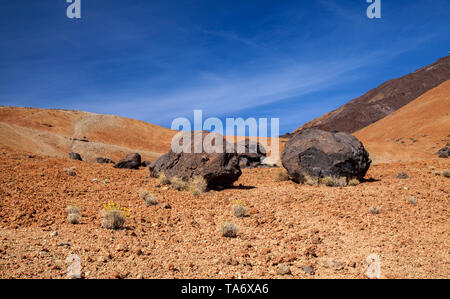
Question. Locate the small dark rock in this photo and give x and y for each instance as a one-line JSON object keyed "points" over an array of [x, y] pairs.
{"points": [[443, 153], [101, 160], [308, 270], [402, 175], [283, 270], [75, 156]]}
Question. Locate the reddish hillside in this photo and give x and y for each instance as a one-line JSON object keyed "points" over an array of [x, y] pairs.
{"points": [[414, 132], [383, 100], [58, 132]]}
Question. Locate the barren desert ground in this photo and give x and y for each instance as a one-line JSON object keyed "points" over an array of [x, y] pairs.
{"points": [[329, 229]]}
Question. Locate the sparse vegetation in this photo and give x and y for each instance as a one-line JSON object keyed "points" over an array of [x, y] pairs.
{"points": [[73, 209], [281, 175], [73, 214], [446, 173], [163, 180], [114, 216], [334, 181], [229, 230], [239, 209], [412, 200], [375, 210], [71, 171], [178, 184], [148, 198], [198, 185], [354, 182], [73, 218]]}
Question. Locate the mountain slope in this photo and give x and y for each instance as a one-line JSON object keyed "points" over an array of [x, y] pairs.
{"points": [[383, 100], [415, 131], [58, 132]]}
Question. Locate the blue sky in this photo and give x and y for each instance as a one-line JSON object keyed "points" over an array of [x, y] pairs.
{"points": [[158, 60]]}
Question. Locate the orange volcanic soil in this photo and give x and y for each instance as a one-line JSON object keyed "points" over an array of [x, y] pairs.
{"points": [[414, 132], [59, 132], [329, 229]]}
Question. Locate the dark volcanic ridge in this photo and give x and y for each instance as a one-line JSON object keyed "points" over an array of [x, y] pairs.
{"points": [[383, 100]]}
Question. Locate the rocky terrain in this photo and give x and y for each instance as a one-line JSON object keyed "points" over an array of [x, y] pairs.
{"points": [[383, 100], [275, 227], [332, 230]]}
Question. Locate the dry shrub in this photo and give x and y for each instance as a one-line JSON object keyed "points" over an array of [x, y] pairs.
{"points": [[178, 184], [229, 230], [114, 216], [73, 214], [73, 209], [281, 175], [198, 185], [375, 210], [334, 181], [73, 218], [239, 209], [309, 181], [412, 200], [354, 182], [163, 180], [148, 198]]}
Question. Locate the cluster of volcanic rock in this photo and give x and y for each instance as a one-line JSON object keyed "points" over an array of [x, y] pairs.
{"points": [[311, 154], [131, 161]]}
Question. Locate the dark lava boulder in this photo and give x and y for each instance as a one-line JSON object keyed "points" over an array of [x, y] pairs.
{"points": [[101, 160], [75, 156], [443, 152], [132, 161], [313, 154], [219, 168], [250, 153]]}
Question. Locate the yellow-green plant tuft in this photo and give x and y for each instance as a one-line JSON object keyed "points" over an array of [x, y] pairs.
{"points": [[163, 180], [281, 175], [179, 184], [114, 216]]}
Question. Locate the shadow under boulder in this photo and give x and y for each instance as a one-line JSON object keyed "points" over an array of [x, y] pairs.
{"points": [[101, 160], [313, 154]]}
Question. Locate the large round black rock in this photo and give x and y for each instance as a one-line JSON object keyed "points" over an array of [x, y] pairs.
{"points": [[314, 154]]}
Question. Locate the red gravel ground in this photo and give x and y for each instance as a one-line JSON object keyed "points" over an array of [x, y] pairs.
{"points": [[330, 229]]}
